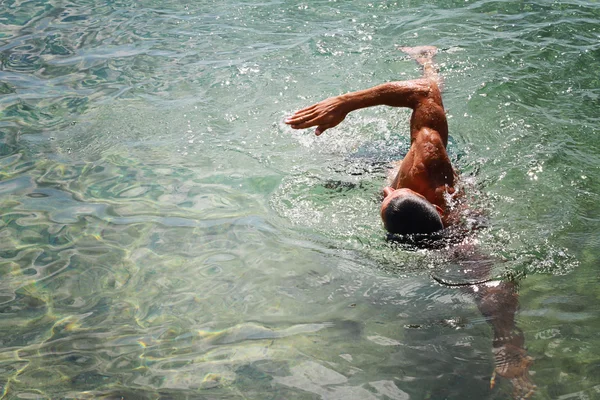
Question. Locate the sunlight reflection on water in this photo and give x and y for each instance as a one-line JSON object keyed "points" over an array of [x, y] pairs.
{"points": [[165, 235]]}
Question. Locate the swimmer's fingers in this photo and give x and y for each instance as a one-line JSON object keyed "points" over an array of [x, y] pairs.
{"points": [[297, 120], [306, 110], [300, 116], [305, 123], [322, 121]]}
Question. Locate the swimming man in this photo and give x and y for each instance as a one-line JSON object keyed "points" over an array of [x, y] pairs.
{"points": [[416, 202]]}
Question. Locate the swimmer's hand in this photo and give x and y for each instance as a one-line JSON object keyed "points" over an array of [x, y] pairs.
{"points": [[512, 363], [324, 115]]}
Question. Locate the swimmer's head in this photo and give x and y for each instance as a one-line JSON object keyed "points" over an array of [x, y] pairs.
{"points": [[406, 212]]}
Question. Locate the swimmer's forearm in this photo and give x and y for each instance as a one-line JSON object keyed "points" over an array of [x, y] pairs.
{"points": [[394, 94]]}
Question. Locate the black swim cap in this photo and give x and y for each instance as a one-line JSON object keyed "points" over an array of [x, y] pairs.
{"points": [[411, 214]]}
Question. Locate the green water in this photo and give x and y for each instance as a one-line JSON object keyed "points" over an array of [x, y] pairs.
{"points": [[165, 235]]}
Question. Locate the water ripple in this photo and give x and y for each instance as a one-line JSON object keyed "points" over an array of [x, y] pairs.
{"points": [[164, 234]]}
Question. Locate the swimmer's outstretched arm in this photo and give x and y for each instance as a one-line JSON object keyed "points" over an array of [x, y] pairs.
{"points": [[422, 95], [330, 112]]}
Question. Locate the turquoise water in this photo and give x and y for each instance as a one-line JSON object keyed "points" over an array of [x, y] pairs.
{"points": [[165, 235]]}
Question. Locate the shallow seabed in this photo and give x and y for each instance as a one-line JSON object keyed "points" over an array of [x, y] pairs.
{"points": [[165, 235]]}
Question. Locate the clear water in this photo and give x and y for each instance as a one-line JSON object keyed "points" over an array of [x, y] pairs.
{"points": [[165, 235]]}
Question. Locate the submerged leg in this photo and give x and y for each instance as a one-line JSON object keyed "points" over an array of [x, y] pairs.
{"points": [[424, 56]]}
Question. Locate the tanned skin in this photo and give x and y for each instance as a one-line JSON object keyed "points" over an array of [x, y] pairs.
{"points": [[426, 171]]}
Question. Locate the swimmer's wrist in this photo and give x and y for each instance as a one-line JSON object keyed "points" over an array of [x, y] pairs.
{"points": [[347, 102]]}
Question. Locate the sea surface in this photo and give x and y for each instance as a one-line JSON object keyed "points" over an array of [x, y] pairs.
{"points": [[164, 235]]}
